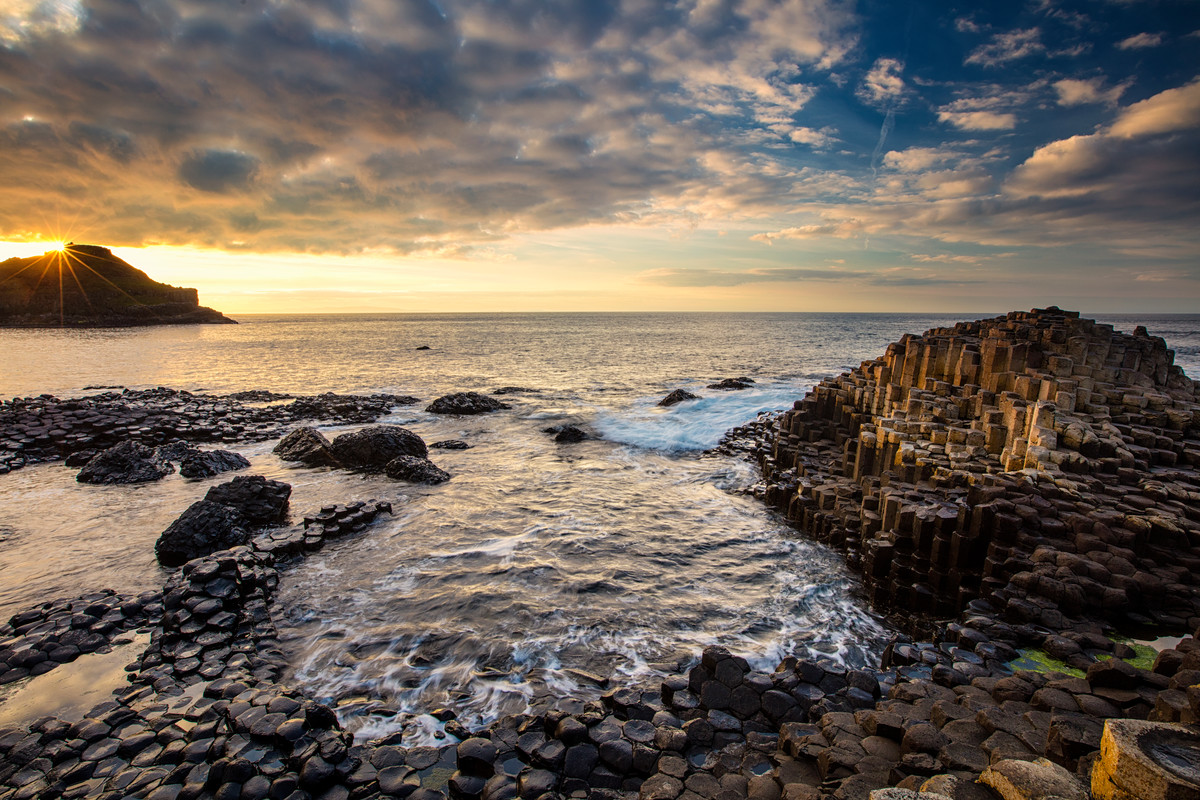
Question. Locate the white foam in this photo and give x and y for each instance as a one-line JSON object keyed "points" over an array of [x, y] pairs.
{"points": [[692, 424]]}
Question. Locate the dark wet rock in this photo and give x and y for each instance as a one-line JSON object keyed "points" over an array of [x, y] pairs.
{"points": [[371, 448], [128, 462], [515, 390], [203, 528], [260, 501], [450, 444], [475, 756], [566, 434], [423, 347], [415, 470], [308, 446], [207, 463], [678, 396], [465, 403], [732, 384]]}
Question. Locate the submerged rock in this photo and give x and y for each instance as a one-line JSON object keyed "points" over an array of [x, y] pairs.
{"points": [[450, 444], [127, 462], [678, 396], [415, 470], [308, 446], [372, 448], [465, 403], [732, 384], [206, 463], [566, 434]]}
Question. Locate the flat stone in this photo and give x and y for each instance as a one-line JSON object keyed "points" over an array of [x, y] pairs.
{"points": [[1148, 761], [1033, 780]]}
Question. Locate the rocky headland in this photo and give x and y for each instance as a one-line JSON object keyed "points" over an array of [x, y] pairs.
{"points": [[1020, 494], [86, 286]]}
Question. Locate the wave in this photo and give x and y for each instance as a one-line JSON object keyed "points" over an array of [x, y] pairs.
{"points": [[693, 424]]}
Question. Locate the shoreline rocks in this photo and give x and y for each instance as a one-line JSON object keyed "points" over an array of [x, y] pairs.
{"points": [[226, 517], [465, 403], [42, 429], [981, 561], [678, 396]]}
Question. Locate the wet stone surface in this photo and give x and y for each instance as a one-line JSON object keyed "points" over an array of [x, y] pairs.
{"points": [[205, 715]]}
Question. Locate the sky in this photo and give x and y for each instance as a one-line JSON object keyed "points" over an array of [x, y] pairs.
{"points": [[512, 155]]}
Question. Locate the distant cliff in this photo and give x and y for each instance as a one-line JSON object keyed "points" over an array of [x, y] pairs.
{"points": [[86, 286]]}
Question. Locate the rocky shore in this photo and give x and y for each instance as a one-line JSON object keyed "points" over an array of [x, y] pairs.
{"points": [[1011, 490]]}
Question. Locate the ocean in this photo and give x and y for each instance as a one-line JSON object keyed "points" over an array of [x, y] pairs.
{"points": [[540, 570]]}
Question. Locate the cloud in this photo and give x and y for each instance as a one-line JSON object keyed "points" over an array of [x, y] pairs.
{"points": [[979, 120], [218, 170], [725, 278], [811, 137], [26, 19], [988, 107], [1077, 92], [917, 159], [1167, 112], [404, 125], [1141, 41], [843, 229], [883, 84], [1006, 47]]}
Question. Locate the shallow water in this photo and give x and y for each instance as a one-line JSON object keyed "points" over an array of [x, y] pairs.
{"points": [[540, 570]]}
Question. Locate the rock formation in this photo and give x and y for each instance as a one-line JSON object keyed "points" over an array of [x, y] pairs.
{"points": [[678, 396], [1038, 461], [86, 286], [465, 403], [1019, 541]]}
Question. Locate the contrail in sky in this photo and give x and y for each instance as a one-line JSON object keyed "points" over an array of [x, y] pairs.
{"points": [[889, 121]]}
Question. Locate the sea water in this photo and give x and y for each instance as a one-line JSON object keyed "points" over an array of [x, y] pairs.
{"points": [[540, 571]]}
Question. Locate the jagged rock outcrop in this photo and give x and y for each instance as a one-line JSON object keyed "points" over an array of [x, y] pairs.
{"points": [[226, 517], [127, 462], [1039, 460], [91, 287], [678, 396], [465, 403], [207, 463], [371, 448], [415, 470], [308, 446]]}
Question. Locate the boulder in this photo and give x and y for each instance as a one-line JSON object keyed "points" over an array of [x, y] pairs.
{"points": [[373, 447], [206, 463], [732, 384], [205, 527], [308, 446], [175, 451], [1015, 779], [415, 470], [127, 462], [451, 444], [566, 434], [678, 396], [465, 403], [259, 501]]}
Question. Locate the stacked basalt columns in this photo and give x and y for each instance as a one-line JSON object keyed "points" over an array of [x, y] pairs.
{"points": [[1040, 460]]}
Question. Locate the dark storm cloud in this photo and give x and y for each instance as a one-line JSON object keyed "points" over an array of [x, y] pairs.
{"points": [[218, 170]]}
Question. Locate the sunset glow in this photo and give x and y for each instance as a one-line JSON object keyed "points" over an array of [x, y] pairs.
{"points": [[790, 155]]}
